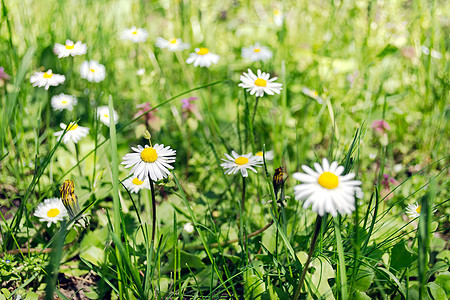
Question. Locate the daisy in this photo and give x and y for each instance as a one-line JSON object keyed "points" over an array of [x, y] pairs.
{"points": [[278, 17], [312, 94], [172, 45], [134, 185], [150, 161], [74, 133], [70, 49], [413, 210], [103, 115], [269, 155], [136, 35], [326, 189], [92, 71], [51, 211], [63, 101], [259, 84], [47, 79], [240, 163], [256, 53], [202, 57], [188, 227]]}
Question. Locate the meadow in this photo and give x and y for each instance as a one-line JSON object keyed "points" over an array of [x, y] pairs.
{"points": [[187, 149]]}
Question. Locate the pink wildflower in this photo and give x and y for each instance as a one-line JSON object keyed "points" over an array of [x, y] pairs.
{"points": [[150, 116], [380, 126]]}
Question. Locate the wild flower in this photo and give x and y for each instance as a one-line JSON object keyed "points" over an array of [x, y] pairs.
{"points": [[135, 35], [326, 190], [47, 79], [269, 155], [260, 84], [312, 94], [92, 71], [241, 163], [74, 132], [380, 126], [70, 49], [134, 185], [103, 115], [171, 45], [63, 101], [256, 53], [202, 57], [150, 161], [51, 211]]}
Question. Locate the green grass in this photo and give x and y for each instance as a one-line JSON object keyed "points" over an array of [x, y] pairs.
{"points": [[354, 54]]}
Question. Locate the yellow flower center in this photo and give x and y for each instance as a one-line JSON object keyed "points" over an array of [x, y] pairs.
{"points": [[134, 32], [203, 51], [72, 127], [149, 155], [174, 41], [136, 181], [53, 212], [64, 102], [419, 209], [260, 82], [256, 50], [260, 153], [70, 47], [241, 160], [48, 74], [328, 180], [276, 12], [92, 70], [106, 116], [314, 94]]}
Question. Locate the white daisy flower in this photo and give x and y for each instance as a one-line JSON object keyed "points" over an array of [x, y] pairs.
{"points": [[269, 155], [312, 94], [202, 57], [260, 83], [103, 115], [134, 185], [92, 71], [278, 17], [240, 163], [136, 35], [63, 101], [74, 132], [51, 211], [413, 210], [188, 227], [150, 161], [140, 72], [256, 53], [172, 45], [70, 49], [47, 79], [326, 190]]}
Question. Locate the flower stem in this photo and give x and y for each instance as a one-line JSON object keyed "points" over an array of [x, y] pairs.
{"points": [[152, 187], [243, 195], [77, 154], [254, 109], [340, 249], [311, 251]]}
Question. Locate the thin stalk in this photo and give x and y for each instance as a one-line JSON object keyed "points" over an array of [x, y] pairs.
{"points": [[340, 249], [77, 153], [311, 251], [254, 109], [152, 187]]}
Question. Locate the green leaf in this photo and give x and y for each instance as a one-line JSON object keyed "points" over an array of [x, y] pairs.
{"points": [[388, 50], [443, 280], [444, 255], [435, 291], [361, 296], [93, 254], [401, 257], [364, 278]]}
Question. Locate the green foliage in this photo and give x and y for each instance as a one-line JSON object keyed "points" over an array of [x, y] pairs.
{"points": [[360, 60]]}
